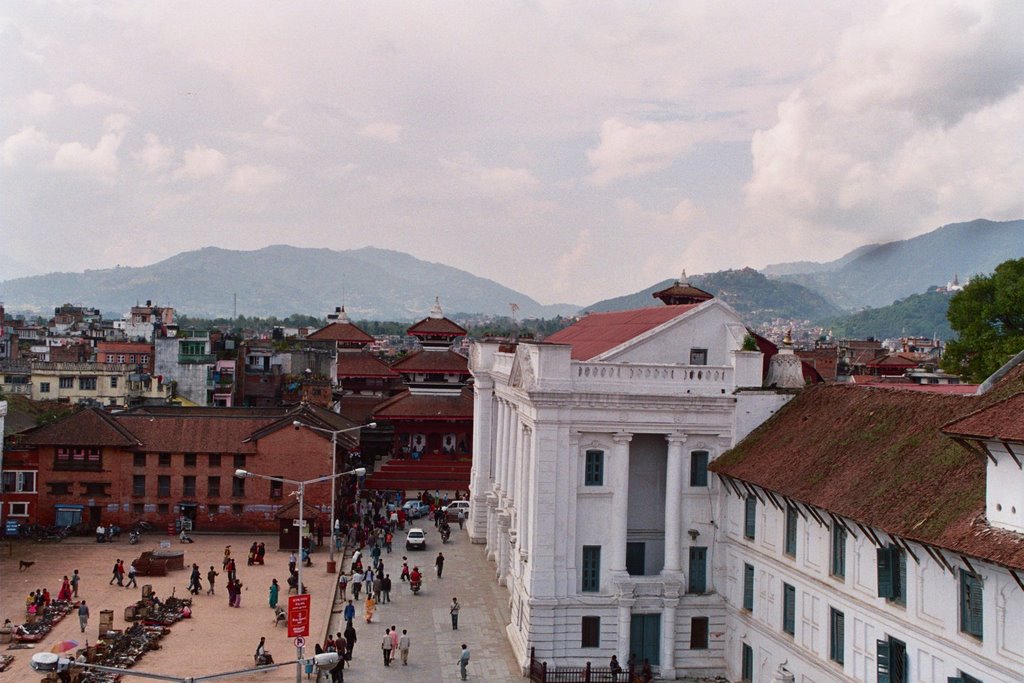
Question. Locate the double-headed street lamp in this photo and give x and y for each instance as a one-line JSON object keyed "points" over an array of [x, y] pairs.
{"points": [[334, 466], [301, 486]]}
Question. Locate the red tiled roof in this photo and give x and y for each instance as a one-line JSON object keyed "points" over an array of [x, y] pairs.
{"points": [[446, 361], [879, 457], [958, 389], [897, 360], [426, 407], [601, 332], [341, 332], [359, 409], [363, 364], [1003, 421], [89, 427], [199, 434], [437, 326]]}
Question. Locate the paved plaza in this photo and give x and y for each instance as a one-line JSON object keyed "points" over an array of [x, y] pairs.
{"points": [[220, 638]]}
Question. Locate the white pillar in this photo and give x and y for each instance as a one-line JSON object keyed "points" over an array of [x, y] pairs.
{"points": [[503, 547], [482, 472], [625, 620], [513, 451], [499, 447], [673, 501], [620, 502], [523, 506], [668, 638]]}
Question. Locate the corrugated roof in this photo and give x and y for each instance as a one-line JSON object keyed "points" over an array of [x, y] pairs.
{"points": [[341, 332], [879, 457], [446, 361], [437, 326], [601, 332], [426, 407], [1003, 421]]}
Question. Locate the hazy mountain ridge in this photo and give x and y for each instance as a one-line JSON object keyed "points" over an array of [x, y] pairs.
{"points": [[876, 275], [280, 280], [917, 315], [758, 299]]}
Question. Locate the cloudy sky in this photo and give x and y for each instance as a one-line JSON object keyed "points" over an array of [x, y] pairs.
{"points": [[570, 150]]}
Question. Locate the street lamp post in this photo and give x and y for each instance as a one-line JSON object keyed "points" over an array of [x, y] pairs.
{"points": [[334, 467], [301, 486]]}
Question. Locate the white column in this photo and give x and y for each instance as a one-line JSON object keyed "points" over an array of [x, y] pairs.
{"points": [[620, 502], [500, 445], [668, 639], [513, 450], [482, 472], [523, 506], [503, 548], [625, 620], [673, 501]]}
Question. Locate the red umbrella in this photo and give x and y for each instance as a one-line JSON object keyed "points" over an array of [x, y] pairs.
{"points": [[64, 646]]}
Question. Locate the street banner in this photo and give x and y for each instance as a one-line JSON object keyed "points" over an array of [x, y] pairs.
{"points": [[298, 615]]}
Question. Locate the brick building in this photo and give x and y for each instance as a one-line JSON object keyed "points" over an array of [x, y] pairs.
{"points": [[161, 464]]}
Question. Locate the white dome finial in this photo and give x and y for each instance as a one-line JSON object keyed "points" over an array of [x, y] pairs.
{"points": [[436, 312]]}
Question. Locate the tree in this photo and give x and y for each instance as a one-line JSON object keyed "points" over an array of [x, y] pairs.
{"points": [[988, 317]]}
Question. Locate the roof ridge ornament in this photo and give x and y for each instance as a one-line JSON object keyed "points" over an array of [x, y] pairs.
{"points": [[436, 311]]}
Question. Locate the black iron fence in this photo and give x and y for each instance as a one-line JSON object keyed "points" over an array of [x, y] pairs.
{"points": [[540, 672]]}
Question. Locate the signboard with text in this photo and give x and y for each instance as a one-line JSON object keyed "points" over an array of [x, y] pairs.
{"points": [[298, 615]]}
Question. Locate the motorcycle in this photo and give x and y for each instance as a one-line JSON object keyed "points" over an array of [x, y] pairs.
{"points": [[445, 534], [415, 586], [133, 537]]}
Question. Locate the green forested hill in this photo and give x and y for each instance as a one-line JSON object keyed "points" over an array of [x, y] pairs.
{"points": [[922, 315]]}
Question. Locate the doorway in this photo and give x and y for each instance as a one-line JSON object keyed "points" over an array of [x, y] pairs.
{"points": [[645, 638]]}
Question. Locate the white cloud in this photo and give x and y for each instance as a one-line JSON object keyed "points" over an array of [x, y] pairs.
{"points": [[252, 179], [82, 95], [497, 182], [155, 157], [570, 263], [34, 105], [27, 146], [380, 130], [201, 162], [100, 161], [633, 149]]}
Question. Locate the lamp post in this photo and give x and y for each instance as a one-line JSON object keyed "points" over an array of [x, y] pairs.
{"points": [[334, 466], [301, 486]]}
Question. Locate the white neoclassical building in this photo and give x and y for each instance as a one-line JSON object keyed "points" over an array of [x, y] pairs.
{"points": [[634, 503], [590, 484]]}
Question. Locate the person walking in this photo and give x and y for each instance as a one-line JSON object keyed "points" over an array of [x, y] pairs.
{"points": [[350, 640], [385, 589], [439, 563], [350, 612], [114, 576], [131, 576], [463, 661], [386, 647], [227, 557], [343, 585], [453, 609], [83, 615], [292, 562], [275, 589], [194, 585], [75, 578], [238, 594], [371, 607], [357, 585], [403, 646], [211, 577]]}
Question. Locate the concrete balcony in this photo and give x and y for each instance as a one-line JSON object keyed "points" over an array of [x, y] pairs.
{"points": [[652, 379], [196, 359]]}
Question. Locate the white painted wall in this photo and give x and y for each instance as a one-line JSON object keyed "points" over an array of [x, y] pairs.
{"points": [[1004, 486]]}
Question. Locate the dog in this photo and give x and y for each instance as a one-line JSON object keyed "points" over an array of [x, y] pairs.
{"points": [[280, 616], [24, 564]]}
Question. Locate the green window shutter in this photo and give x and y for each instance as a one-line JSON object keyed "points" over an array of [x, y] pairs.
{"points": [[954, 679], [882, 662], [698, 570], [887, 575], [699, 468], [971, 608], [748, 587], [788, 609], [750, 516], [837, 636], [901, 576], [838, 550], [747, 664], [593, 474], [791, 516], [591, 579]]}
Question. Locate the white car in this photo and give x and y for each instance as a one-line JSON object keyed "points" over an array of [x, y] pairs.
{"points": [[416, 538], [453, 508]]}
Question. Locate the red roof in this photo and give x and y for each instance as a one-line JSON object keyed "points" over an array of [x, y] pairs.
{"points": [[346, 333], [873, 381], [180, 434], [897, 360], [89, 427], [411, 406], [1003, 421], [879, 457], [363, 364], [446, 361], [601, 332], [436, 327]]}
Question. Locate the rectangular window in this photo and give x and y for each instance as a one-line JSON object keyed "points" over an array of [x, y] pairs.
{"points": [[838, 565], [891, 661], [213, 486], [971, 609], [163, 485], [590, 632], [892, 574], [113, 382], [747, 664], [748, 587], [237, 508], [44, 387], [188, 486], [163, 508], [276, 489], [16, 481], [17, 509], [138, 484], [591, 582], [698, 633], [190, 460], [239, 461], [87, 383], [697, 581], [749, 517], [788, 609], [636, 558], [93, 488], [138, 509], [164, 460], [66, 382], [78, 458], [593, 470], [836, 636], [791, 527], [699, 468], [138, 459], [214, 460], [964, 678], [237, 487], [698, 356], [59, 488]]}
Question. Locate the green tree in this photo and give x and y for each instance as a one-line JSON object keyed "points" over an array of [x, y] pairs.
{"points": [[988, 317]]}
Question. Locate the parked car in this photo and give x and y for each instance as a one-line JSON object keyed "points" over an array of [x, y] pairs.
{"points": [[452, 510], [416, 538], [415, 509]]}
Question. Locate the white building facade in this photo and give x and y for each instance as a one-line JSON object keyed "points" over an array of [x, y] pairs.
{"points": [[590, 486]]}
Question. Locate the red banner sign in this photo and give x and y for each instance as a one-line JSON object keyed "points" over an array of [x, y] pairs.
{"points": [[298, 615]]}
